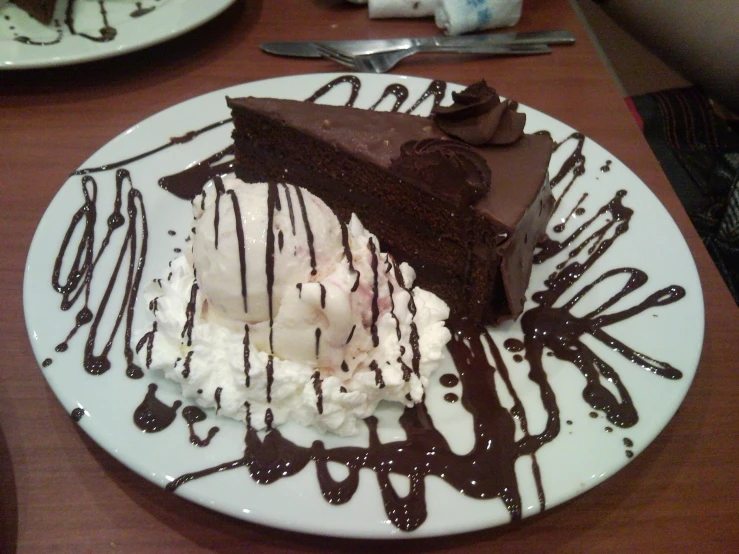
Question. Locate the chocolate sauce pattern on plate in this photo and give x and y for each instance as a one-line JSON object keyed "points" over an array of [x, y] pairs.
{"points": [[501, 434]]}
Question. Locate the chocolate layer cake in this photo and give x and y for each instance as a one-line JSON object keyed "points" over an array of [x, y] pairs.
{"points": [[465, 214], [43, 10]]}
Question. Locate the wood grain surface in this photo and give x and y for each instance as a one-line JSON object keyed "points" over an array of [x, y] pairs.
{"points": [[60, 492]]}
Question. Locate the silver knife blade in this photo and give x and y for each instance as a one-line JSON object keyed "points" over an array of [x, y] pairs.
{"points": [[307, 49]]}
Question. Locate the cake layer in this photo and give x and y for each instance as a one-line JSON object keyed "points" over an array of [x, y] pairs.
{"points": [[466, 217]]}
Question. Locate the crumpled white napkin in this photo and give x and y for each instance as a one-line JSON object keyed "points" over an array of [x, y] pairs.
{"points": [[454, 17], [379, 9]]}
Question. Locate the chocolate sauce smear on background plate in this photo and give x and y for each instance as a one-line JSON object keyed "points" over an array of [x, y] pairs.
{"points": [[68, 27], [501, 434]]}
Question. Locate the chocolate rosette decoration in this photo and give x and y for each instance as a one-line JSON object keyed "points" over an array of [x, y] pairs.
{"points": [[478, 117], [444, 164]]}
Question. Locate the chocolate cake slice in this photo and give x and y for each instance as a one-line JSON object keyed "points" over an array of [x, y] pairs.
{"points": [[464, 206]]}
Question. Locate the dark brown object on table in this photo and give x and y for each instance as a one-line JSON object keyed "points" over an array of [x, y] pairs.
{"points": [[680, 494], [43, 10]]}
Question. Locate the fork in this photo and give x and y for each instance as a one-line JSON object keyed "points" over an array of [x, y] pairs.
{"points": [[381, 62]]}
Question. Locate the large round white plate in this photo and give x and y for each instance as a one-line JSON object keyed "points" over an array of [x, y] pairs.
{"points": [[26, 43], [586, 450]]}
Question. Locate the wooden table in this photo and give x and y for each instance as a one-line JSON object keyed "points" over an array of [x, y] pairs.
{"points": [[60, 491]]}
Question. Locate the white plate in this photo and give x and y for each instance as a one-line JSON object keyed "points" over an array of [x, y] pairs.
{"points": [[26, 43], [582, 455]]}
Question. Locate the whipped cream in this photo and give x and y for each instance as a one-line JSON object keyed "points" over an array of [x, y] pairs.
{"points": [[346, 328]]}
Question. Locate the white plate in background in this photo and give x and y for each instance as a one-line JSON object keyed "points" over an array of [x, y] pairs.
{"points": [[25, 43]]}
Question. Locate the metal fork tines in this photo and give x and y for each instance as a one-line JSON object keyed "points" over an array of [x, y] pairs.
{"points": [[380, 62]]}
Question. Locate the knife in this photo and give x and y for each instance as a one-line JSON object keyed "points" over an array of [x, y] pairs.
{"points": [[307, 49]]}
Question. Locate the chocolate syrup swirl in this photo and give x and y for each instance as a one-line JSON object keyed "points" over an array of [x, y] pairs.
{"points": [[574, 165], [190, 315], [400, 93], [353, 81], [193, 415], [501, 434], [35, 42], [220, 191], [348, 255], [153, 415], [318, 388], [437, 89], [188, 183]]}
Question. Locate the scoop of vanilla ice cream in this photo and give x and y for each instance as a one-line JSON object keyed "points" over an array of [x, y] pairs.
{"points": [[298, 257], [279, 311]]}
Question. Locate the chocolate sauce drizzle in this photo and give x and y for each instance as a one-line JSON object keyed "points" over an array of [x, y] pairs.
{"points": [[153, 415], [353, 81], [400, 93], [193, 415], [437, 89], [247, 363], [35, 42], [501, 435], [76, 285], [241, 245], [375, 292]]}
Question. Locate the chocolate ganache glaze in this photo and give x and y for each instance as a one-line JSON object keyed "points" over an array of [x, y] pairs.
{"points": [[501, 434]]}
